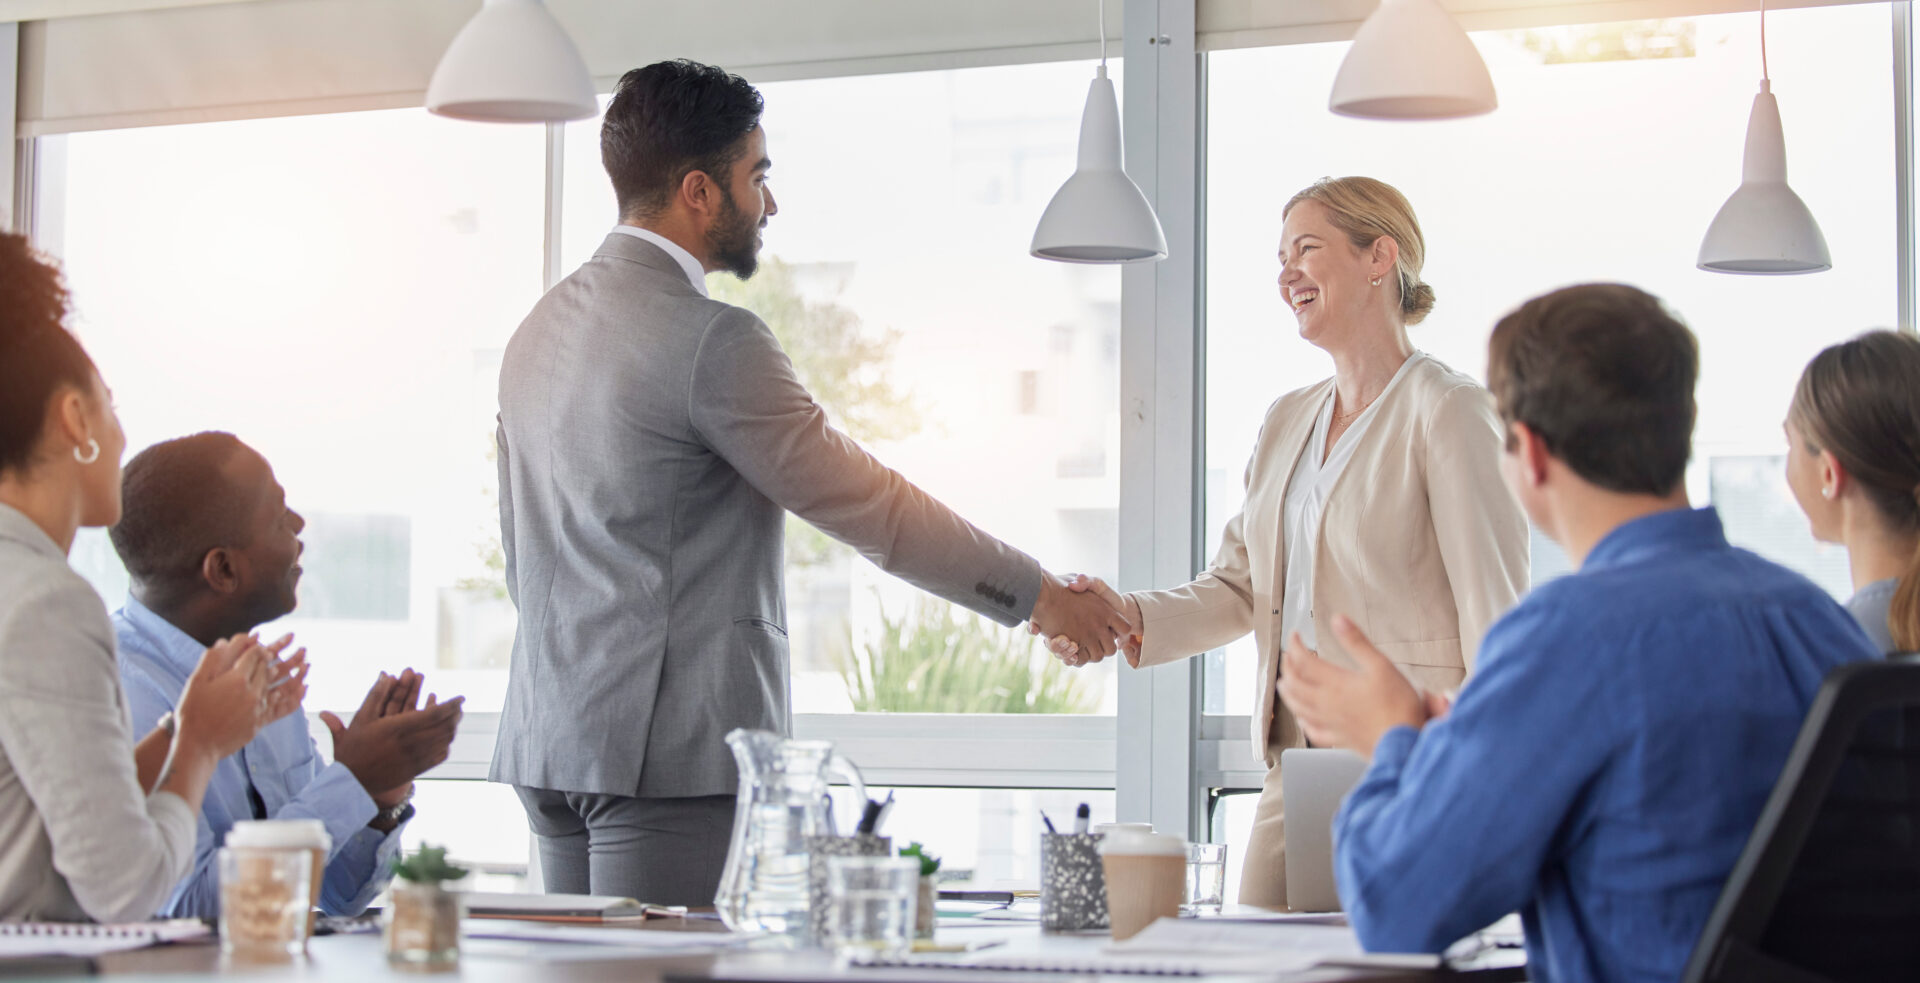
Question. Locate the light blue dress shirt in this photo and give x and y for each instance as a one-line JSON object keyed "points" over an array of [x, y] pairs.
{"points": [[1602, 770], [282, 763]]}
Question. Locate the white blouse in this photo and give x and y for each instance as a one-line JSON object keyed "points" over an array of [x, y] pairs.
{"points": [[1313, 480]]}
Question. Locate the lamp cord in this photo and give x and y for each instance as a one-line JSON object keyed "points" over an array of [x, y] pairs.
{"points": [[1103, 34], [1764, 77]]}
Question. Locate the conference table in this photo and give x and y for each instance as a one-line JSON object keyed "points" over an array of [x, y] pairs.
{"points": [[360, 958]]}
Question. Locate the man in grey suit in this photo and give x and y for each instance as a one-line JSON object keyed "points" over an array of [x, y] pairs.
{"points": [[651, 441]]}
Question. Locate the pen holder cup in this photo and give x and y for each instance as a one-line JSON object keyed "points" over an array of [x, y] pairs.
{"points": [[819, 848], [1073, 884]]}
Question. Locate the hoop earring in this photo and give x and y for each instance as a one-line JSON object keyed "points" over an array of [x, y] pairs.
{"points": [[93, 452]]}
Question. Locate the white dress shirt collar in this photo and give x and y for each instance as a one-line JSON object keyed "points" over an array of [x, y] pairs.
{"points": [[694, 273]]}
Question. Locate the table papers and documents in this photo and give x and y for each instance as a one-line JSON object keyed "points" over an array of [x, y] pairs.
{"points": [[20, 939]]}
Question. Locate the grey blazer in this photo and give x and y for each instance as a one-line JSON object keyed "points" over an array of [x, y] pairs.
{"points": [[79, 838], [651, 442]]}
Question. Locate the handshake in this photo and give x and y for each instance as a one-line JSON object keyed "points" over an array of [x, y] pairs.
{"points": [[1085, 620]]}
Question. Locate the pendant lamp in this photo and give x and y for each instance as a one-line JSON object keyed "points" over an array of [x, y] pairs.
{"points": [[1764, 229], [1099, 215], [512, 63], [1411, 60]]}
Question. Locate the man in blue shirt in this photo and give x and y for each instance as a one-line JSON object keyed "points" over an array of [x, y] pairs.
{"points": [[213, 551], [1603, 768]]}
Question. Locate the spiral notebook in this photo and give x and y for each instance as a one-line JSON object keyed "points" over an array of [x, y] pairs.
{"points": [[20, 939]]}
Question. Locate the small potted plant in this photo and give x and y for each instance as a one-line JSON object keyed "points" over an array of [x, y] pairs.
{"points": [[423, 915], [923, 911]]}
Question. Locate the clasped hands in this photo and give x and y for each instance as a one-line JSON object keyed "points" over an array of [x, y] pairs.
{"points": [[1085, 620]]}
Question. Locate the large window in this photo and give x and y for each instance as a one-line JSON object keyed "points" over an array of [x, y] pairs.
{"points": [[338, 290], [1613, 147]]}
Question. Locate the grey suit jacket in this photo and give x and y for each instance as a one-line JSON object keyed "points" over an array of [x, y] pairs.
{"points": [[651, 441]]}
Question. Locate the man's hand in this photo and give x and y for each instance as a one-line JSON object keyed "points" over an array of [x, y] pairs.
{"points": [[1348, 708], [1086, 621], [1129, 644], [389, 743]]}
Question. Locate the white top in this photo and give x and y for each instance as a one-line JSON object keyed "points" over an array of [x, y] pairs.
{"points": [[79, 838], [694, 273], [1313, 479]]}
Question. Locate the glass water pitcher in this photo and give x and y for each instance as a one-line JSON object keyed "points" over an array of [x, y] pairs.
{"points": [[783, 800]]}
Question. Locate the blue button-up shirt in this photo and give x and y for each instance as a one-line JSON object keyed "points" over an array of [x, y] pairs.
{"points": [[282, 763], [1603, 769]]}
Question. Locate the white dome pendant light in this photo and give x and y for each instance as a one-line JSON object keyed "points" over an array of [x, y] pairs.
{"points": [[1411, 60], [1764, 229], [512, 63], [1099, 215]]}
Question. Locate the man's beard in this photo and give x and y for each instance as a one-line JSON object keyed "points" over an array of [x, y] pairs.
{"points": [[733, 241]]}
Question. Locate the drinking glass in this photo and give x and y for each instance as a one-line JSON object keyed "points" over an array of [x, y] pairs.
{"points": [[1206, 877], [870, 905]]}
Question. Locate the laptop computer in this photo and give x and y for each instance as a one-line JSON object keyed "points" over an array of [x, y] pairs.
{"points": [[1313, 781]]}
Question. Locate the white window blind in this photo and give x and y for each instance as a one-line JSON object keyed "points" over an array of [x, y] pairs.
{"points": [[1222, 24], [199, 63]]}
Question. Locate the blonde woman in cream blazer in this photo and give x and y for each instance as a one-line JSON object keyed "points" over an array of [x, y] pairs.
{"points": [[1411, 532]]}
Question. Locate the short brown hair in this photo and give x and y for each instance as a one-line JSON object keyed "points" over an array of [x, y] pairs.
{"points": [[1364, 209], [1604, 373], [38, 357], [1860, 400]]}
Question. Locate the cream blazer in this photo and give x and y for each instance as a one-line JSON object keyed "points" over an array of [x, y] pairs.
{"points": [[1421, 544]]}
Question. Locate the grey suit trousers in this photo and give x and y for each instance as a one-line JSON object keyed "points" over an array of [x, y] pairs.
{"points": [[657, 851]]}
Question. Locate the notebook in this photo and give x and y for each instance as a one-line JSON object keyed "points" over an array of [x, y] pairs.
{"points": [[20, 939]]}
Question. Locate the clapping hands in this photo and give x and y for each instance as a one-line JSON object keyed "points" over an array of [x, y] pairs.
{"points": [[1086, 621]]}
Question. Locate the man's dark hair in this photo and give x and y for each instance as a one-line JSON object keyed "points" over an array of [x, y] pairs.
{"points": [[668, 120], [1604, 373], [177, 504], [38, 357]]}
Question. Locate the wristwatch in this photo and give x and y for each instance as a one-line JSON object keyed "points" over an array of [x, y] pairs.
{"points": [[397, 813]]}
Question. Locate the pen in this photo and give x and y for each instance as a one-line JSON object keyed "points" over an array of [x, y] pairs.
{"points": [[886, 809], [869, 818], [1080, 818], [1049, 822]]}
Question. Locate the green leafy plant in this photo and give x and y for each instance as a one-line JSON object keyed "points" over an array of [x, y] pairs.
{"points": [[928, 862], [935, 659], [427, 865]]}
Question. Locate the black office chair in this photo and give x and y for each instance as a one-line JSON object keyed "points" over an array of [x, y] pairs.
{"points": [[1828, 887]]}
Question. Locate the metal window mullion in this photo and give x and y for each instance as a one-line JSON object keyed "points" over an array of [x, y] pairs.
{"points": [[1158, 708], [1903, 162]]}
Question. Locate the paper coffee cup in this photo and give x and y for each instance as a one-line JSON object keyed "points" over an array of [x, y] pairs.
{"points": [[308, 835], [1146, 879]]}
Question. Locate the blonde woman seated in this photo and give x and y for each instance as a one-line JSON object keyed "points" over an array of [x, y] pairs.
{"points": [[1853, 461], [91, 826], [1375, 493]]}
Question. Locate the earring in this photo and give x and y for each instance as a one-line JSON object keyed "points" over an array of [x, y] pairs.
{"points": [[1376, 281], [93, 452], [1827, 493]]}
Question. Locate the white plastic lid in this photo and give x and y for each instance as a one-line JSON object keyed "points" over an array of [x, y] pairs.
{"points": [[1133, 843], [280, 834]]}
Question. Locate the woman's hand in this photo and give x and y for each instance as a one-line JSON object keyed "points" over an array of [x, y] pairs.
{"points": [[287, 683], [225, 700], [1126, 606]]}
